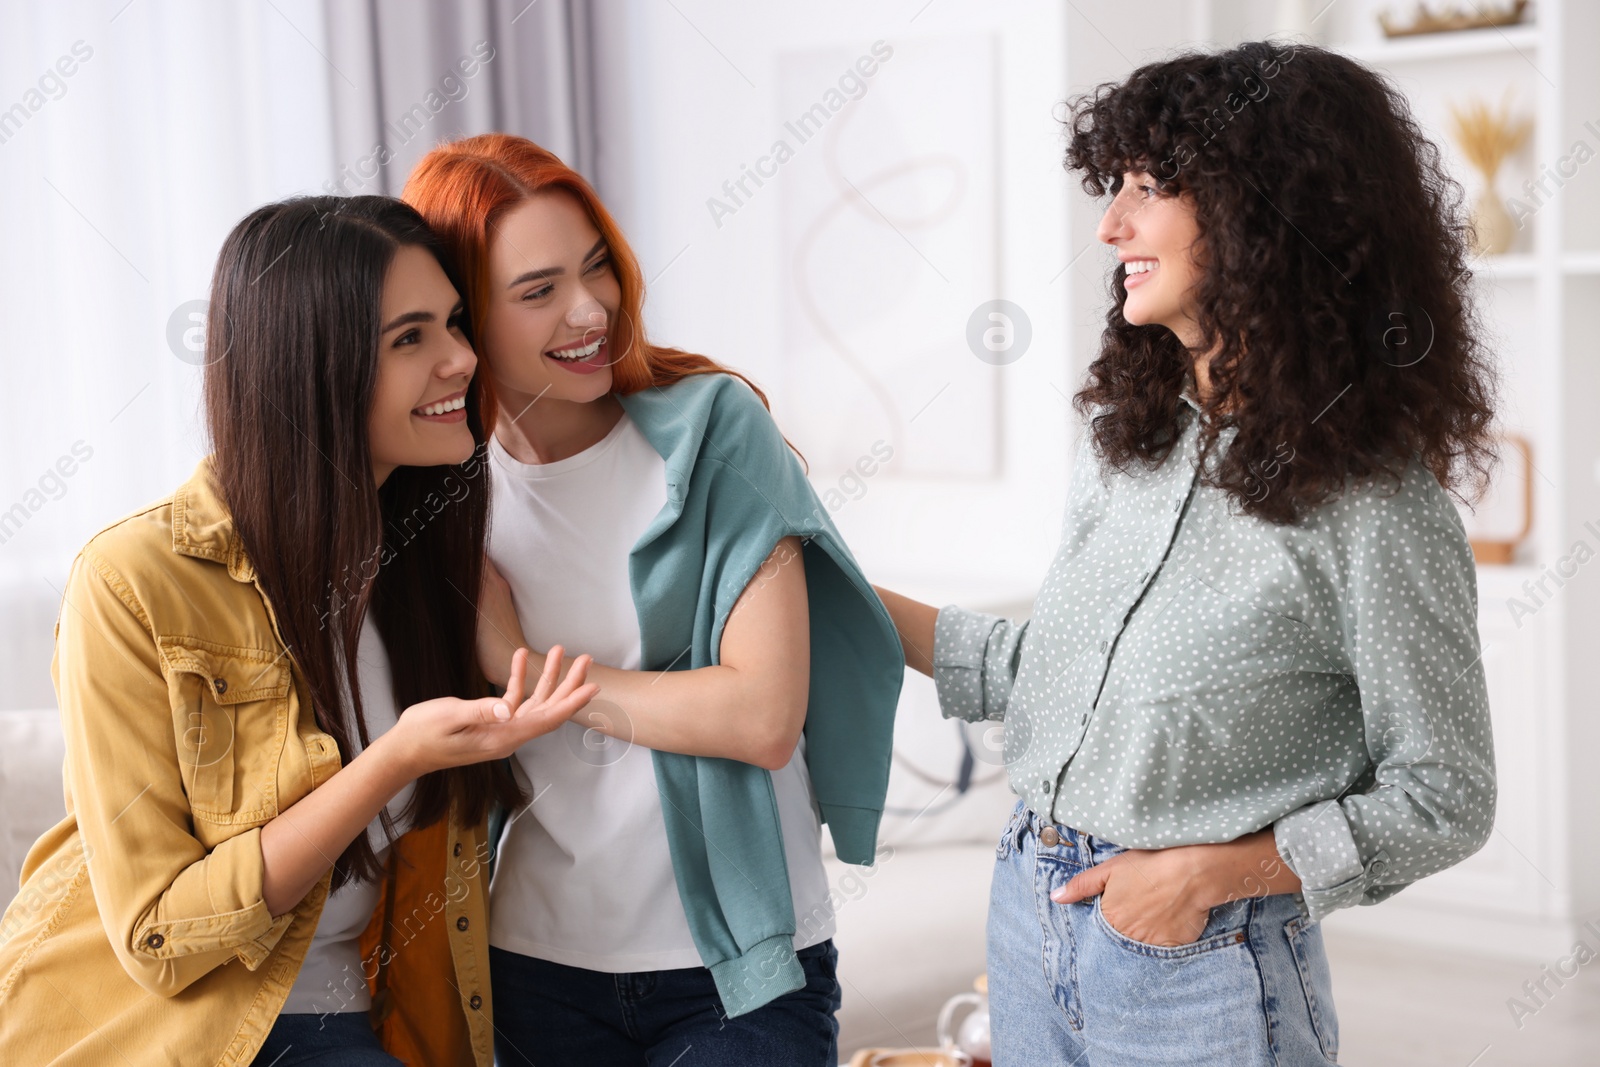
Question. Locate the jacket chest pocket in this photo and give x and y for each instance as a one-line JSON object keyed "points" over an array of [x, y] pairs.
{"points": [[230, 711]]}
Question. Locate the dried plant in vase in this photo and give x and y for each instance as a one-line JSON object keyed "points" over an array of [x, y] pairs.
{"points": [[1487, 136], [1450, 17]]}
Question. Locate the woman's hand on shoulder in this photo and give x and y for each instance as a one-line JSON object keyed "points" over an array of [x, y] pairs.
{"points": [[451, 732]]}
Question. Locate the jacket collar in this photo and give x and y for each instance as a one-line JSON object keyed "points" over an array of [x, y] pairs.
{"points": [[203, 527]]}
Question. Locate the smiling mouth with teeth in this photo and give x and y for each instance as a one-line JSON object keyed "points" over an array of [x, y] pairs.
{"points": [[1140, 266], [443, 407], [577, 355]]}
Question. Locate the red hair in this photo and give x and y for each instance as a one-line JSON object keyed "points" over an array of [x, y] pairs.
{"points": [[463, 188]]}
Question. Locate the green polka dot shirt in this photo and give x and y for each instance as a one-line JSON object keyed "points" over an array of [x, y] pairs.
{"points": [[1191, 674]]}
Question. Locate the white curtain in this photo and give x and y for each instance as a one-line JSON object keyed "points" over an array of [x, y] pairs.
{"points": [[411, 73], [118, 182], [133, 136]]}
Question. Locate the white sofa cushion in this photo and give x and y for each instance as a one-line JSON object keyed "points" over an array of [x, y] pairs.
{"points": [[31, 796]]}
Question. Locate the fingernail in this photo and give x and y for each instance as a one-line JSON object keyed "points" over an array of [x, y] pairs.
{"points": [[502, 712]]}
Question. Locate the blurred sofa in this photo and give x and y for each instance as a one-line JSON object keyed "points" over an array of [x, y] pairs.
{"points": [[31, 798]]}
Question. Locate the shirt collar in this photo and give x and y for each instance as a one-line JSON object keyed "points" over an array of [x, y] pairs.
{"points": [[203, 527]]}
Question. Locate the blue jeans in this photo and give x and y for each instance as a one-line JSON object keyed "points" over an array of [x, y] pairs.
{"points": [[1066, 988], [337, 1039], [554, 1016]]}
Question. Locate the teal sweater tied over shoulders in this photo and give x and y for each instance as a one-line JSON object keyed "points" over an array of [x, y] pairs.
{"points": [[734, 489]]}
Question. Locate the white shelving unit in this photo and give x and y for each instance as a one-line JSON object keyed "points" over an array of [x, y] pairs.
{"points": [[1527, 892], [1507, 266], [1390, 51], [1580, 263]]}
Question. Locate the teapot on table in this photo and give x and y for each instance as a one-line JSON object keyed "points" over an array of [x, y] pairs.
{"points": [[972, 1037]]}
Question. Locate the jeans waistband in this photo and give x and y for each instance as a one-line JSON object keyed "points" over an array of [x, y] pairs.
{"points": [[1090, 849]]}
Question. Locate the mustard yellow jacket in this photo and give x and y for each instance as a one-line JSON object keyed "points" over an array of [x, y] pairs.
{"points": [[139, 935]]}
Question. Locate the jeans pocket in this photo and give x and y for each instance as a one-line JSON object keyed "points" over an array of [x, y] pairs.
{"points": [[824, 957], [1311, 960], [1226, 925]]}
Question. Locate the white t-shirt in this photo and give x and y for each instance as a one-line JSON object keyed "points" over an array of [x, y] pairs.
{"points": [[584, 875], [331, 978]]}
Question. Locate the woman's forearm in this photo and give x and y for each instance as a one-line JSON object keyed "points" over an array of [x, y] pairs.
{"points": [[301, 844], [712, 711], [708, 712], [914, 621], [718, 711], [750, 707], [1247, 866]]}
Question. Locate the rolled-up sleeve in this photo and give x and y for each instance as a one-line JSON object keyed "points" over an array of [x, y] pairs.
{"points": [[1410, 631], [975, 661], [173, 909]]}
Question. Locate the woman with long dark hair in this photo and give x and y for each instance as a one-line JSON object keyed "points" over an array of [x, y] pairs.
{"points": [[259, 845], [1251, 692], [666, 892]]}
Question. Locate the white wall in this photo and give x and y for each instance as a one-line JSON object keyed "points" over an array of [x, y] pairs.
{"points": [[807, 275]]}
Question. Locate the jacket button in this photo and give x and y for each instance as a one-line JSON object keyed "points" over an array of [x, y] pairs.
{"points": [[154, 941], [457, 850], [220, 685], [476, 1002], [1049, 838], [461, 923]]}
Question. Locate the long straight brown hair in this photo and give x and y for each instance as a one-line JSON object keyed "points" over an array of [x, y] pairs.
{"points": [[291, 364]]}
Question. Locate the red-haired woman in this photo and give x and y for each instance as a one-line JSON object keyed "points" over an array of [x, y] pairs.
{"points": [[665, 888]]}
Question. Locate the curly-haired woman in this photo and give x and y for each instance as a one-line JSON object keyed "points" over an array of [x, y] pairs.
{"points": [[1251, 691]]}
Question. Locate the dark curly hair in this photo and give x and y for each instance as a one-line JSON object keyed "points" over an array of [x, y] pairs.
{"points": [[1334, 282]]}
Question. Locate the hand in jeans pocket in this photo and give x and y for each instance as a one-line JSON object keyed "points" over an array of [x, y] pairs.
{"points": [[1145, 895]]}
